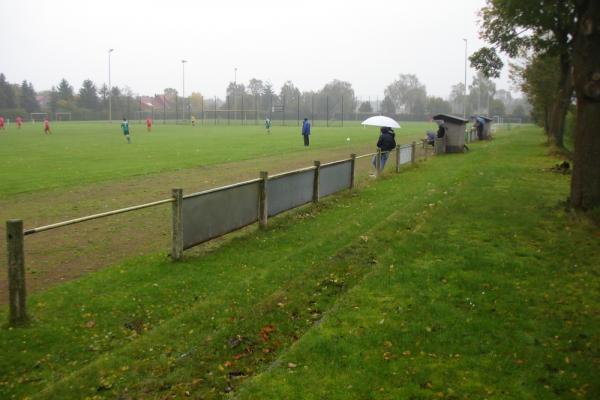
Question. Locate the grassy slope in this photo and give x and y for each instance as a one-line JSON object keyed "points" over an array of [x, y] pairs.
{"points": [[461, 278], [80, 153], [493, 295]]}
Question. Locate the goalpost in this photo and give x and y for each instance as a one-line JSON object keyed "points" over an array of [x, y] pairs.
{"points": [[62, 116], [38, 116]]}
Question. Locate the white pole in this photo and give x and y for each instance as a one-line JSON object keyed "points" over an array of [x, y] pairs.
{"points": [[109, 88], [183, 91], [465, 94]]}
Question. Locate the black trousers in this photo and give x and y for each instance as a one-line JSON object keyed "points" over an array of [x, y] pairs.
{"points": [[306, 140]]}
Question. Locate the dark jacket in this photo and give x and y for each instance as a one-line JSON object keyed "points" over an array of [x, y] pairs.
{"points": [[441, 132], [306, 128], [387, 140]]}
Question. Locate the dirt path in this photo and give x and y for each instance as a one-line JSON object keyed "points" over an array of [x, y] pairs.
{"points": [[70, 252]]}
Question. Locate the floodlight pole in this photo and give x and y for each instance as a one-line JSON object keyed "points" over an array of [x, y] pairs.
{"points": [[109, 88], [183, 87], [465, 94]]}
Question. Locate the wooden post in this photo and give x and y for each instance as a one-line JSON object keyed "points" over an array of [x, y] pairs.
{"points": [[378, 163], [262, 200], [413, 153], [353, 171], [17, 296], [316, 182], [397, 159], [177, 230]]}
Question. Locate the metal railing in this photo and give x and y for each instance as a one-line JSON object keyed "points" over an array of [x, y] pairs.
{"points": [[16, 234]]}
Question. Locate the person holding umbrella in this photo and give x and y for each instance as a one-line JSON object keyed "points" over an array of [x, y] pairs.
{"points": [[386, 143], [387, 140]]}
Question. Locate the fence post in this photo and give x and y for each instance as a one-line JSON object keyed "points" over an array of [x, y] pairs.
{"points": [[316, 182], [413, 153], [378, 163], [17, 296], [177, 230], [262, 200], [352, 171], [397, 158]]}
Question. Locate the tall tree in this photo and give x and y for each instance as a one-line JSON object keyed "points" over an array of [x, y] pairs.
{"points": [[569, 29], [196, 102], [28, 97], [256, 87], [289, 91], [103, 92], [65, 91], [53, 100], [88, 95], [387, 106], [538, 80], [515, 27], [7, 94], [290, 97], [437, 105], [457, 97], [335, 95], [497, 108], [365, 107], [481, 92], [407, 93], [585, 182]]}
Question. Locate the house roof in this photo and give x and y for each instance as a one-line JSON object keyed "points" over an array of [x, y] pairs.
{"points": [[451, 118]]}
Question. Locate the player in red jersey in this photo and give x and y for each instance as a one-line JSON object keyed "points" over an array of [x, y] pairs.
{"points": [[19, 121], [47, 126], [149, 124], [1, 122]]}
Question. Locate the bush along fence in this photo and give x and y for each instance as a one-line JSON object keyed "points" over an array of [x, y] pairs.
{"points": [[199, 217]]}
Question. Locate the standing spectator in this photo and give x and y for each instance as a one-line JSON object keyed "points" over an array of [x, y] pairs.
{"points": [[387, 143], [306, 132], [149, 124], [19, 121], [47, 130], [125, 127], [479, 125], [268, 124]]}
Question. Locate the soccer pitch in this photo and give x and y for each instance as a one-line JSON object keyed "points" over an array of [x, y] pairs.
{"points": [[86, 153]]}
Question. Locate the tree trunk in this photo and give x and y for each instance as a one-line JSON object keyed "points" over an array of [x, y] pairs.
{"points": [[585, 182], [547, 122], [561, 105]]}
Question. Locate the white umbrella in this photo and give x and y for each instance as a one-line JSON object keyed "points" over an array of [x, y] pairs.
{"points": [[380, 120]]}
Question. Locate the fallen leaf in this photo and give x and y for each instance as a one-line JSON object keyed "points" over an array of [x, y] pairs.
{"points": [[265, 331]]}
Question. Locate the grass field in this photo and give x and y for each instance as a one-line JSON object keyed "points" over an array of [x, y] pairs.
{"points": [[460, 278], [86, 168], [84, 153]]}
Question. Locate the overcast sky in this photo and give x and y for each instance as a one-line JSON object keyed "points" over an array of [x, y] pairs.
{"points": [[310, 42]]}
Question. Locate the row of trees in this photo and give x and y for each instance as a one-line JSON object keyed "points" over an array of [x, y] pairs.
{"points": [[405, 96], [17, 99], [559, 45]]}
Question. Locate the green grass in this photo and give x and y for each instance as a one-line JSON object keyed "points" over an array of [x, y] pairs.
{"points": [[87, 153], [461, 278]]}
